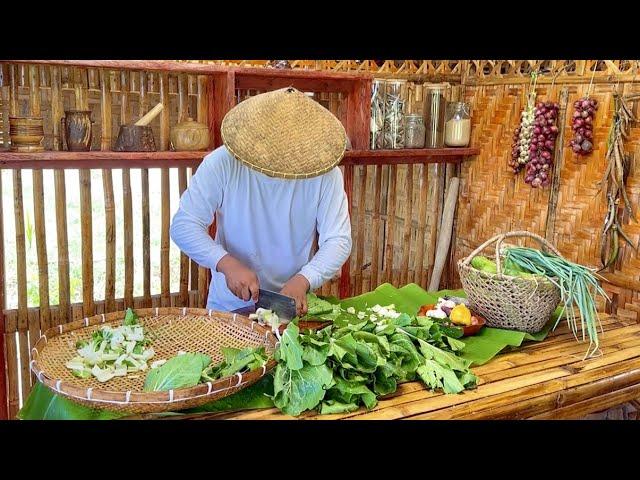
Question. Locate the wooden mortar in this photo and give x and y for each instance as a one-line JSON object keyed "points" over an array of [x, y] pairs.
{"points": [[139, 136]]}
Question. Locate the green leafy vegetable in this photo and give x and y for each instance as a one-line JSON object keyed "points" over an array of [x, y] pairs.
{"points": [[130, 318], [290, 351], [362, 355], [235, 361], [178, 372], [298, 390]]}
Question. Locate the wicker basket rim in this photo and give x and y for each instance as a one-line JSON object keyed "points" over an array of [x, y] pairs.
{"points": [[539, 278], [129, 397]]}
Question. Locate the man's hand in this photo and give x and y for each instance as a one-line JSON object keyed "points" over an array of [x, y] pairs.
{"points": [[242, 281], [297, 288]]}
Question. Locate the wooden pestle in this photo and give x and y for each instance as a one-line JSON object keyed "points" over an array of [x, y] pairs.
{"points": [[150, 115]]}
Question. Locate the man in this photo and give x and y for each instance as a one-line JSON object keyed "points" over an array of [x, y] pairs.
{"points": [[273, 184]]}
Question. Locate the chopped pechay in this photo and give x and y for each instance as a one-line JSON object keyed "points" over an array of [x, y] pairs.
{"points": [[267, 317], [112, 352]]}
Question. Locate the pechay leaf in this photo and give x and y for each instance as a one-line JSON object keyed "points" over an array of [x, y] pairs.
{"points": [[333, 406], [290, 351], [454, 344], [178, 372], [130, 318], [352, 392], [298, 390]]}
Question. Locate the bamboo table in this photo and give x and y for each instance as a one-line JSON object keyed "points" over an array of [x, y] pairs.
{"points": [[546, 380]]}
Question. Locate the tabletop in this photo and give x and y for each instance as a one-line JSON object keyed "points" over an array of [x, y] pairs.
{"points": [[540, 380]]}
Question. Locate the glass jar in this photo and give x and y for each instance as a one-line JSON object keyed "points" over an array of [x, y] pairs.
{"points": [[376, 138], [434, 112], [394, 105], [414, 131], [458, 125]]}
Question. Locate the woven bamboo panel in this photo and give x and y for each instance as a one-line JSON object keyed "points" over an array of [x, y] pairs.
{"points": [[493, 200]]}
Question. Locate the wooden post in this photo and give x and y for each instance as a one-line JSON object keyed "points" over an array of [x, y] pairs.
{"points": [[358, 119], [144, 184], [4, 406]]}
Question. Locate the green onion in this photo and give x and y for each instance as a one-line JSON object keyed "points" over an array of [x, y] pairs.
{"points": [[578, 288]]}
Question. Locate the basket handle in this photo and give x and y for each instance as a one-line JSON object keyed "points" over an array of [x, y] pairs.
{"points": [[499, 238]]}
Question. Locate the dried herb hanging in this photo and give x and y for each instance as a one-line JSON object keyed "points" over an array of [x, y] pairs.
{"points": [[618, 167]]}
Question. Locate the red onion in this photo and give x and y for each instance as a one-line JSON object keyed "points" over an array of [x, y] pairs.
{"points": [[583, 115]]}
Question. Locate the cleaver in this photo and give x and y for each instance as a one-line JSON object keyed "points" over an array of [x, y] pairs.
{"points": [[281, 305]]}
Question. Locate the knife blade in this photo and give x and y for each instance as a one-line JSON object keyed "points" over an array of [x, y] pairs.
{"points": [[281, 305]]}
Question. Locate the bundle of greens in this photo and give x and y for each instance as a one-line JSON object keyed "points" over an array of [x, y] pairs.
{"points": [[578, 286], [188, 369], [113, 352], [363, 355]]}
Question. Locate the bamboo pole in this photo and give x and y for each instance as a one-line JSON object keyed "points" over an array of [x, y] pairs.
{"points": [[406, 234], [41, 247], [4, 368], [13, 394], [183, 114], [64, 295], [360, 230], [57, 107], [165, 193], [146, 230], [21, 271], [203, 117], [109, 202], [86, 233], [444, 239], [40, 231], [391, 225], [422, 224], [375, 248], [125, 89], [434, 215]]}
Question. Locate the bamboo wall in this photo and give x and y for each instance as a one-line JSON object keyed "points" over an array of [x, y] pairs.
{"points": [[492, 200]]}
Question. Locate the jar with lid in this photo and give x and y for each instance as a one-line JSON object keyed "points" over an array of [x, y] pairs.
{"points": [[458, 125], [376, 139], [414, 131], [434, 112], [395, 99]]}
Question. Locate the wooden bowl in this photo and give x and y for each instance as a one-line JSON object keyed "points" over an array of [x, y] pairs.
{"points": [[477, 322], [26, 134]]}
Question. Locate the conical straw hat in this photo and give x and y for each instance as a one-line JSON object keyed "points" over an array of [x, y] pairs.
{"points": [[284, 134]]}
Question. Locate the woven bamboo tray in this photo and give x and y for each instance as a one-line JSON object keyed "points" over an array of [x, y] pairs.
{"points": [[186, 329]]}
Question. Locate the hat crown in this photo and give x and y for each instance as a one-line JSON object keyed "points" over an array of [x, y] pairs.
{"points": [[284, 133]]}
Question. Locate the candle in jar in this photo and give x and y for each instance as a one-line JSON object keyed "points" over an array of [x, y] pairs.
{"points": [[457, 132]]}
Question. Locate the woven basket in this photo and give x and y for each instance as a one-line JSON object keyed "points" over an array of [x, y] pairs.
{"points": [[186, 329], [508, 302]]}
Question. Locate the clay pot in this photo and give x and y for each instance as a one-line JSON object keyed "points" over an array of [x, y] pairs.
{"points": [[189, 136], [76, 130]]}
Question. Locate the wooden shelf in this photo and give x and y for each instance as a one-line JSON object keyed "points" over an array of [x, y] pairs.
{"points": [[98, 159], [169, 159], [408, 156]]}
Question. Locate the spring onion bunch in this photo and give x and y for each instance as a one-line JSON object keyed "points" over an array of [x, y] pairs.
{"points": [[578, 286]]}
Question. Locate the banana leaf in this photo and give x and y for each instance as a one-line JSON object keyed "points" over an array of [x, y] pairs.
{"points": [[43, 404], [479, 349]]}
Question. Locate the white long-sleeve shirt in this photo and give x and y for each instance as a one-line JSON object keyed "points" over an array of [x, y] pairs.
{"points": [[269, 224]]}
